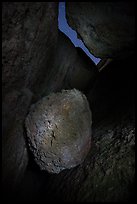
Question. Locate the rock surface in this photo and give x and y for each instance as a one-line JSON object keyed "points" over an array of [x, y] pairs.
{"points": [[59, 130], [14, 150], [28, 42], [36, 59], [106, 28], [108, 171], [70, 68]]}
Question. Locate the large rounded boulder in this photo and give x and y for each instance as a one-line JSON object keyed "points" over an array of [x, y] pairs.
{"points": [[59, 130]]}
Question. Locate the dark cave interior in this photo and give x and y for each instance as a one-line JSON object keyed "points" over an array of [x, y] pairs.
{"points": [[38, 62]]}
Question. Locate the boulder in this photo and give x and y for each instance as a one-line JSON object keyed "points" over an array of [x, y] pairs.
{"points": [[59, 130], [106, 28]]}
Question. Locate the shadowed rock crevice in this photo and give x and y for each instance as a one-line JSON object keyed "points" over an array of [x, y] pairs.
{"points": [[70, 68], [39, 60]]}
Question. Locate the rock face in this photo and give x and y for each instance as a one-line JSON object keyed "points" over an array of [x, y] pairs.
{"points": [[70, 68], [59, 130], [106, 28], [37, 60], [14, 150], [28, 42]]}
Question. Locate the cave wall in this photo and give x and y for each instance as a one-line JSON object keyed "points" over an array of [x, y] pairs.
{"points": [[70, 68], [27, 45], [26, 36], [38, 59]]}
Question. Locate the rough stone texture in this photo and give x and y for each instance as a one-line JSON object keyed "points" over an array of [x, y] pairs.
{"points": [[29, 52], [108, 172], [34, 58], [106, 28], [29, 35], [14, 152], [70, 68], [59, 130]]}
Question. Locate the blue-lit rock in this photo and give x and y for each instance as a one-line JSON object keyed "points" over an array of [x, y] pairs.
{"points": [[59, 130]]}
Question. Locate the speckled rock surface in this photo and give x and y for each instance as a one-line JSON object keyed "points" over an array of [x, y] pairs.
{"points": [[59, 130], [106, 28]]}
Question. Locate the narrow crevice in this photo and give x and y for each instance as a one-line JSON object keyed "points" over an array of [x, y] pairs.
{"points": [[71, 34]]}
